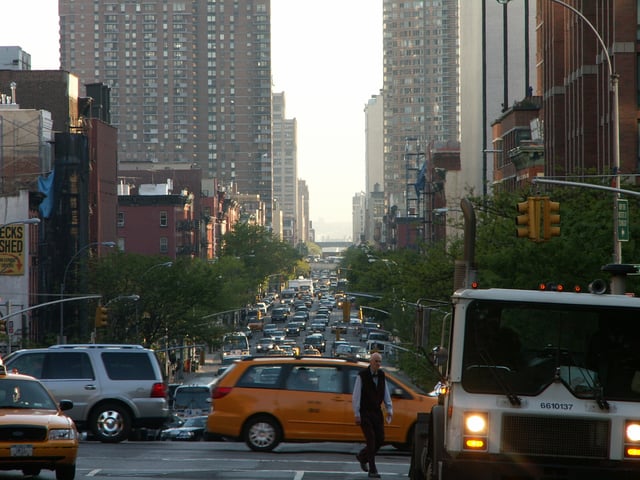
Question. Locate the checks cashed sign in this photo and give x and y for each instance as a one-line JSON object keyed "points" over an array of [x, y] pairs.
{"points": [[12, 249]]}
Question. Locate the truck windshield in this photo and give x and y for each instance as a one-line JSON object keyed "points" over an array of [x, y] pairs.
{"points": [[521, 349]]}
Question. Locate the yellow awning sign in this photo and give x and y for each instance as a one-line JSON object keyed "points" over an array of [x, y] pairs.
{"points": [[12, 249]]}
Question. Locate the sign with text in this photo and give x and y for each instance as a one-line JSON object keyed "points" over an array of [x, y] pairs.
{"points": [[623, 220], [12, 249]]}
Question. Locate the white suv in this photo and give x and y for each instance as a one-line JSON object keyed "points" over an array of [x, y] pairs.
{"points": [[114, 388]]}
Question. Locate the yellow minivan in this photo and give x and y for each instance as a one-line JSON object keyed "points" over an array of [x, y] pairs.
{"points": [[267, 400]]}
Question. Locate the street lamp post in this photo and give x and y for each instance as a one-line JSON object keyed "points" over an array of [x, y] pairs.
{"points": [[64, 279], [613, 79]]}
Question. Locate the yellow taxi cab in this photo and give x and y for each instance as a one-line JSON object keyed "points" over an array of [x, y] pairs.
{"points": [[35, 434], [267, 400], [312, 352]]}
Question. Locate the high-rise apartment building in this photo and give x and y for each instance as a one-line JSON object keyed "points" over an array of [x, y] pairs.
{"points": [[420, 88], [285, 168], [190, 82]]}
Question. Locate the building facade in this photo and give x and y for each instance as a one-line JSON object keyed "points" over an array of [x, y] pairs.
{"points": [[420, 85], [285, 169], [190, 82]]}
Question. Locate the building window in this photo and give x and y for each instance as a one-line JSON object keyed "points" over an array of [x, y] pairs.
{"points": [[121, 244], [164, 244], [163, 219], [121, 219]]}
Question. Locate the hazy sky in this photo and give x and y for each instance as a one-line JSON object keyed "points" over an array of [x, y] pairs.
{"points": [[327, 59]]}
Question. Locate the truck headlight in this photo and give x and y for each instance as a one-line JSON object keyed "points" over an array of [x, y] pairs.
{"points": [[476, 428], [632, 439]]}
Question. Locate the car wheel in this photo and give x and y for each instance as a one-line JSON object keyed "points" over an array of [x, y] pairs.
{"points": [[66, 472], [32, 471], [111, 423], [262, 433]]}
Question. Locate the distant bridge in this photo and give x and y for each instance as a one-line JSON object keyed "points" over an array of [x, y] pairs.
{"points": [[333, 248]]}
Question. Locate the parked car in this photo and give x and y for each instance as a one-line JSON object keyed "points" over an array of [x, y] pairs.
{"points": [[265, 401], [192, 430], [36, 434], [114, 388]]}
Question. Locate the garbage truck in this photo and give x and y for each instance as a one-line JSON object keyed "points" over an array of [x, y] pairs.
{"points": [[535, 384]]}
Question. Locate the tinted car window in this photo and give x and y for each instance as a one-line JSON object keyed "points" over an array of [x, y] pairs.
{"points": [[265, 376], [128, 366], [67, 365], [29, 364], [321, 379]]}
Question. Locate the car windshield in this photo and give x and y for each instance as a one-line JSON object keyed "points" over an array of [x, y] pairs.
{"points": [[520, 349], [16, 393]]}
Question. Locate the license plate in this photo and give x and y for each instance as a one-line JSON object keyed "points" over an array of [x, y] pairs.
{"points": [[21, 450]]}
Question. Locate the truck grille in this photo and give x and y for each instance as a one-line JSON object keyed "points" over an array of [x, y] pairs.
{"points": [[557, 436], [22, 433]]}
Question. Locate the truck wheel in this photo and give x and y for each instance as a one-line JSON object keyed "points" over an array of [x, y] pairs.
{"points": [[419, 452], [434, 451]]}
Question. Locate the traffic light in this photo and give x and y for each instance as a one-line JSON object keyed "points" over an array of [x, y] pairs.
{"points": [[528, 222], [102, 316], [551, 218]]}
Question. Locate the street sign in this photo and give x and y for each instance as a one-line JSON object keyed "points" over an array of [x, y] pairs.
{"points": [[623, 220]]}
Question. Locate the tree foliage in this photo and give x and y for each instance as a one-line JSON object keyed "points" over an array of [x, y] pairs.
{"points": [[399, 281], [186, 298]]}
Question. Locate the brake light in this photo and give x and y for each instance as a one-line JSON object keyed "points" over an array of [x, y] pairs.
{"points": [[159, 390], [220, 392]]}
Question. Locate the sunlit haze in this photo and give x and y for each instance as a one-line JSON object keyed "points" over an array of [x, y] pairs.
{"points": [[327, 59]]}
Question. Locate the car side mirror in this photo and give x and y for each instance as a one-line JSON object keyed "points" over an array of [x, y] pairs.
{"points": [[65, 405]]}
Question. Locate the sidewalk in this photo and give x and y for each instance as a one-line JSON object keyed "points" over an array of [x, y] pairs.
{"points": [[205, 373]]}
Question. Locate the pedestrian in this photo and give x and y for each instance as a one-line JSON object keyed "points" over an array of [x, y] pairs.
{"points": [[369, 393]]}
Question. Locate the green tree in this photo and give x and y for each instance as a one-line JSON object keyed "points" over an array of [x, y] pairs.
{"points": [[260, 251]]}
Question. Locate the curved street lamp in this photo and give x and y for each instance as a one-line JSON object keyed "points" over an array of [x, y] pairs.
{"points": [[164, 264], [27, 221], [64, 279]]}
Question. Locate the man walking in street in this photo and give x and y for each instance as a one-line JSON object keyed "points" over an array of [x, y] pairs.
{"points": [[369, 393]]}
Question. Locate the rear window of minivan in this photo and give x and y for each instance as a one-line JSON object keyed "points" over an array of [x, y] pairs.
{"points": [[128, 366]]}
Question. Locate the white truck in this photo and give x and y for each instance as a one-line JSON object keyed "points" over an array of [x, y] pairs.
{"points": [[536, 385], [301, 285]]}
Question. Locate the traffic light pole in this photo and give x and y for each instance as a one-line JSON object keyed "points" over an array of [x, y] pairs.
{"points": [[585, 185], [40, 305], [617, 190]]}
